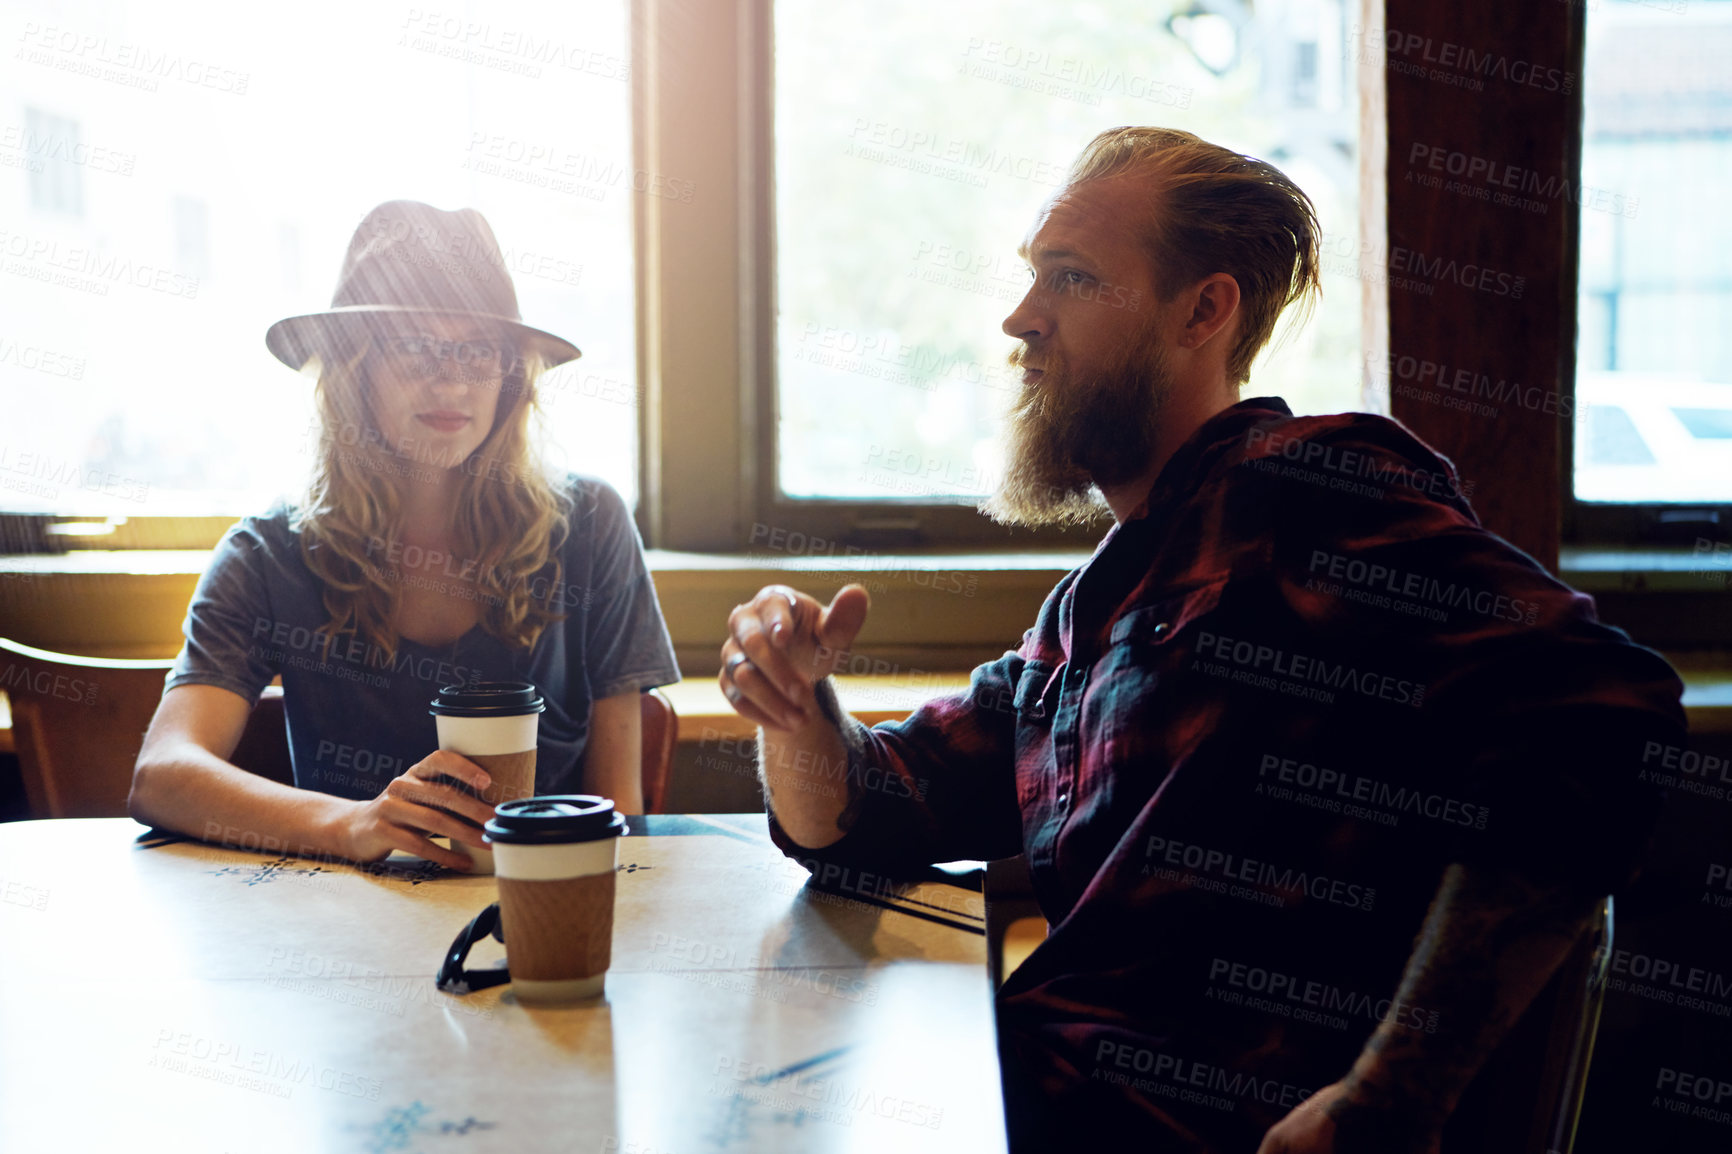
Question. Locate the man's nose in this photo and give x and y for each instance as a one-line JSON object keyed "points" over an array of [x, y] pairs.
{"points": [[1029, 320]]}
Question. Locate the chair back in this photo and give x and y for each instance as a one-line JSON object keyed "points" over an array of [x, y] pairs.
{"points": [[1528, 1095], [78, 722], [661, 734], [264, 748], [1578, 1048]]}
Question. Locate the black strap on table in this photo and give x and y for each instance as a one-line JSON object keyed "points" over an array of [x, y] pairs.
{"points": [[453, 978]]}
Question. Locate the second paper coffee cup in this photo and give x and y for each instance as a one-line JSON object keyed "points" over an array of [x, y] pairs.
{"points": [[556, 858], [493, 724]]}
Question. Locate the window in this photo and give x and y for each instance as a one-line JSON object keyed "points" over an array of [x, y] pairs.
{"points": [[1654, 354], [192, 236], [914, 143], [200, 176], [55, 185], [222, 166]]}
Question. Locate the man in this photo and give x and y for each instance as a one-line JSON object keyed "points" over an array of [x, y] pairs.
{"points": [[1318, 780]]}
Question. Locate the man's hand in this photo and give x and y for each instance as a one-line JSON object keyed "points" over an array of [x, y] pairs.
{"points": [[1342, 1119], [780, 644], [413, 807]]}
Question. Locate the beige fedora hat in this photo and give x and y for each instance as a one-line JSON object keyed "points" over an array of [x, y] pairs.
{"points": [[409, 259]]}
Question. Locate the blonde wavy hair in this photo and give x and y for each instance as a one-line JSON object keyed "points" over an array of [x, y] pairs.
{"points": [[510, 520]]}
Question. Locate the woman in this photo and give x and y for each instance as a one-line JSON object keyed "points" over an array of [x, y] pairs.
{"points": [[429, 550]]}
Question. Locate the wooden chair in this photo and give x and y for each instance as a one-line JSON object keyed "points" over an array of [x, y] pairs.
{"points": [[661, 735], [1589, 970], [1525, 1100], [78, 723]]}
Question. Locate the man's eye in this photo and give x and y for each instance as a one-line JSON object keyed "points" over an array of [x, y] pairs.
{"points": [[1071, 276]]}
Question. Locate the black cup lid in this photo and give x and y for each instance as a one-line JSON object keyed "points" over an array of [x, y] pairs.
{"points": [[555, 819], [488, 699]]}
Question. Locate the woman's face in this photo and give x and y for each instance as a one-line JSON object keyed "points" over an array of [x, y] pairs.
{"points": [[434, 388]]}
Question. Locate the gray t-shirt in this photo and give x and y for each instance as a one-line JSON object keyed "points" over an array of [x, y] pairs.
{"points": [[358, 718]]}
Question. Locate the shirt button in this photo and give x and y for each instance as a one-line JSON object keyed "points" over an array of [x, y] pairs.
{"points": [[1063, 798], [1160, 629]]}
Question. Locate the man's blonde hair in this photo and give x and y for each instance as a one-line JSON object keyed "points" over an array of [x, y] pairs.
{"points": [[1214, 210]]}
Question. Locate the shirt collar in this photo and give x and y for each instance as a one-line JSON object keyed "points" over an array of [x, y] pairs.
{"points": [[1185, 468]]}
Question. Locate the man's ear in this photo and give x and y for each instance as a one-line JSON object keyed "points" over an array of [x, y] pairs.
{"points": [[1214, 303]]}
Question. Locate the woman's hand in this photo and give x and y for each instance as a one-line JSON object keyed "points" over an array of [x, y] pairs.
{"points": [[412, 808]]}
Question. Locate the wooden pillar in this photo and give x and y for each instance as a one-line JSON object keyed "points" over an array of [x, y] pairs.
{"points": [[1483, 112]]}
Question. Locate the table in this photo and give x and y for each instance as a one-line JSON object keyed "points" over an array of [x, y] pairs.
{"points": [[161, 993]]}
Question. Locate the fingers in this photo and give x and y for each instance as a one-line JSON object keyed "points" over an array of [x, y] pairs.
{"points": [[774, 605], [412, 815], [778, 607], [745, 706], [449, 781], [753, 696], [763, 674], [424, 785], [444, 763], [775, 652], [460, 801], [409, 841], [840, 623]]}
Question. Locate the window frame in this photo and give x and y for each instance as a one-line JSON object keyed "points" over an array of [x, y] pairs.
{"points": [[706, 310], [697, 418], [1600, 524], [874, 525], [688, 510]]}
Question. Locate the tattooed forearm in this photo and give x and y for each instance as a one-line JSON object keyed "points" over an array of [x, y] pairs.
{"points": [[1490, 941]]}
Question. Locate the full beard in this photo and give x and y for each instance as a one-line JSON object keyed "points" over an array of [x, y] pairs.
{"points": [[1069, 437]]}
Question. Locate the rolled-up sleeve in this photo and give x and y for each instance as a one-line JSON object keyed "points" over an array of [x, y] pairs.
{"points": [[1547, 723], [1532, 706], [940, 786]]}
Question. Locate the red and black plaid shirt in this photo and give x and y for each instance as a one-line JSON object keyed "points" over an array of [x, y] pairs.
{"points": [[1239, 747]]}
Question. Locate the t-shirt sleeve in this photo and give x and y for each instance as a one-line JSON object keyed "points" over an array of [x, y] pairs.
{"points": [[229, 624], [627, 643]]}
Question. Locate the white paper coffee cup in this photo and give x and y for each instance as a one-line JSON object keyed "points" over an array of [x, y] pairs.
{"points": [[557, 859], [494, 724]]}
